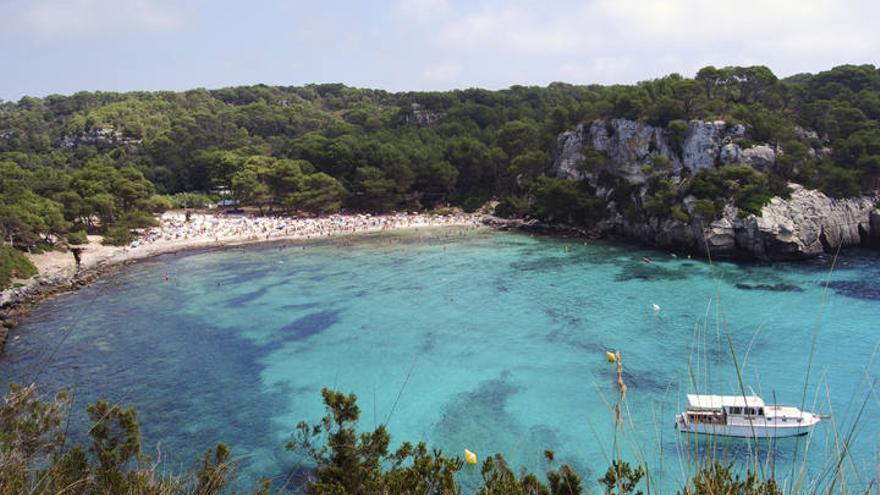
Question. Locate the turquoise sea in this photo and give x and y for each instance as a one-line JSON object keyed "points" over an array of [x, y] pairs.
{"points": [[489, 341]]}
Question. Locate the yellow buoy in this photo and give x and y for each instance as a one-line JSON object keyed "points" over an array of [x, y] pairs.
{"points": [[611, 356], [470, 457]]}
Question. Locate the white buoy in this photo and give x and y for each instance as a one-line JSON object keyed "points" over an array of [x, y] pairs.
{"points": [[656, 307]]}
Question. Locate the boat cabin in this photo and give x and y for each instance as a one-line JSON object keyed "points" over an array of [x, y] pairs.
{"points": [[714, 409]]}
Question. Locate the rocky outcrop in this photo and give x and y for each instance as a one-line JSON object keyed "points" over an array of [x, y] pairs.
{"points": [[808, 224], [629, 144], [420, 116], [99, 137], [632, 144], [761, 157], [704, 140], [805, 225]]}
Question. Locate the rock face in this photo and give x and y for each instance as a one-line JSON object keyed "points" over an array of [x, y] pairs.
{"points": [[420, 116], [628, 143], [804, 226], [704, 140], [98, 136], [632, 144], [807, 224], [761, 157]]}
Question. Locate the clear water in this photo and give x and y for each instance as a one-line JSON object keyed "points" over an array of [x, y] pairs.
{"points": [[488, 341]]}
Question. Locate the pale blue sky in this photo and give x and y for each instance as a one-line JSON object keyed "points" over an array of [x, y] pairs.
{"points": [[62, 46]]}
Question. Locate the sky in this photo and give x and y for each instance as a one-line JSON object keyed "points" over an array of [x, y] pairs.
{"points": [[64, 46]]}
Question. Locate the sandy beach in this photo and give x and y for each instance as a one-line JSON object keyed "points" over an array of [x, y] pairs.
{"points": [[58, 270]]}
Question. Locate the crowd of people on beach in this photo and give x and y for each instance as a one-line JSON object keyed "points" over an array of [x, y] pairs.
{"points": [[219, 227]]}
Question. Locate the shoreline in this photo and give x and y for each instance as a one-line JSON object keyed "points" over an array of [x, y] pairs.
{"points": [[59, 274]]}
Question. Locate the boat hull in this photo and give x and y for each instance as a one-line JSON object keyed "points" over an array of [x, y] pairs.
{"points": [[756, 430]]}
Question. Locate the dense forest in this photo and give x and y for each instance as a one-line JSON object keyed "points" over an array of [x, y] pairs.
{"points": [[102, 162]]}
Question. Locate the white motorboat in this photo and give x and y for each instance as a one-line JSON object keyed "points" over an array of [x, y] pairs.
{"points": [[743, 416]]}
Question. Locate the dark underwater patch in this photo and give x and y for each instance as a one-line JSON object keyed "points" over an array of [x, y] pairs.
{"points": [[578, 341], [309, 325], [243, 275], [780, 287], [479, 418], [541, 264], [867, 290], [190, 389], [644, 381], [255, 294], [320, 277], [247, 297], [649, 272], [428, 342], [562, 317], [299, 307]]}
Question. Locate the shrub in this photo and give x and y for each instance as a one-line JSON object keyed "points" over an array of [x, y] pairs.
{"points": [[839, 182], [443, 211], [622, 479], [677, 131], [559, 199], [748, 188], [661, 164], [156, 204], [472, 204], [190, 200], [348, 462], [704, 209], [14, 264], [751, 199], [677, 213], [717, 478], [38, 459], [351, 462], [137, 219], [594, 160], [661, 199], [498, 478], [118, 235], [77, 237], [512, 207]]}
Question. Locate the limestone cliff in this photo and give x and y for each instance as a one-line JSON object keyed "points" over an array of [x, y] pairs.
{"points": [[98, 137], [807, 224], [632, 144]]}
